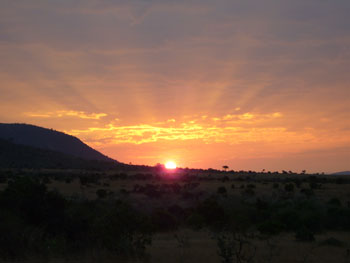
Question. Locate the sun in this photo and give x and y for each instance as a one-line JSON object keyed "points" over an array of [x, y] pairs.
{"points": [[170, 165]]}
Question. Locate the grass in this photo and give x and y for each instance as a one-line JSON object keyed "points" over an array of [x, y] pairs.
{"points": [[253, 198]]}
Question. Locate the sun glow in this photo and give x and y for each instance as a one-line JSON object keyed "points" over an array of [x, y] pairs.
{"points": [[170, 165]]}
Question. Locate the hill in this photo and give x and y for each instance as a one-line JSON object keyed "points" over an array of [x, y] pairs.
{"points": [[49, 139], [342, 173], [22, 156]]}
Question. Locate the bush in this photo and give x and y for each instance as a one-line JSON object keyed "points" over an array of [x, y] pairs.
{"points": [[271, 227], [261, 204], [222, 190], [162, 220], [226, 248], [225, 179], [212, 212], [275, 185], [12, 241], [46, 180], [332, 242], [314, 185], [31, 216], [289, 187], [101, 193], [298, 183], [235, 246], [122, 230], [338, 217], [252, 186], [288, 215], [68, 180], [307, 192], [30, 200], [177, 211], [123, 191], [249, 192], [40, 223], [304, 234], [195, 221], [334, 202]]}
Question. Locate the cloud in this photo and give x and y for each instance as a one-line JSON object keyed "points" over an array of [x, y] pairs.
{"points": [[66, 113], [235, 130], [247, 116]]}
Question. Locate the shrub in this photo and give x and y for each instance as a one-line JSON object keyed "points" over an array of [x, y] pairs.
{"points": [[123, 191], [225, 179], [162, 220], [314, 185], [187, 195], [226, 247], [122, 230], [195, 221], [249, 192], [222, 190], [252, 186], [338, 217], [152, 191], [304, 234], [289, 216], [235, 246], [38, 222], [307, 192], [68, 180], [212, 212], [261, 204], [298, 183], [46, 180], [83, 180], [101, 193], [332, 242], [30, 200], [177, 211], [289, 187], [12, 242], [31, 216], [334, 202], [271, 227]]}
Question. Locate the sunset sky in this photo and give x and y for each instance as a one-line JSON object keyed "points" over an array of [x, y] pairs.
{"points": [[252, 84]]}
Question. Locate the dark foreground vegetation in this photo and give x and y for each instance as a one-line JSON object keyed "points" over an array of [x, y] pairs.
{"points": [[118, 214]]}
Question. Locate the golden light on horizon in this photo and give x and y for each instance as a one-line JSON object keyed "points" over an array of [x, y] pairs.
{"points": [[170, 165]]}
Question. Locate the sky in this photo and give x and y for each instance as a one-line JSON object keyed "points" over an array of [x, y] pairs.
{"points": [[252, 84]]}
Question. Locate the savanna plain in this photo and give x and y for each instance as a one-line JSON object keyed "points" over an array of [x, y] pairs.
{"points": [[183, 215]]}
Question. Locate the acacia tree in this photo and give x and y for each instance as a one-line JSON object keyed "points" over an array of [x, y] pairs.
{"points": [[225, 167]]}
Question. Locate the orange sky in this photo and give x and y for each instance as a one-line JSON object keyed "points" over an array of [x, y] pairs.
{"points": [[250, 84]]}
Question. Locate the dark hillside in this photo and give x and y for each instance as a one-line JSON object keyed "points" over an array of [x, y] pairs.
{"points": [[49, 139], [22, 156], [342, 173]]}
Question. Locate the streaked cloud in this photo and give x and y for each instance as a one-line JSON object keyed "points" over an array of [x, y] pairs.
{"points": [[237, 129], [66, 113]]}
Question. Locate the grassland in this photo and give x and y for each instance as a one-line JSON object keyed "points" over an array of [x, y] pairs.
{"points": [[188, 216]]}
